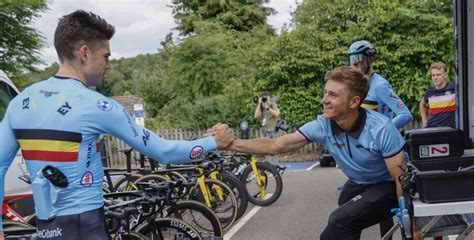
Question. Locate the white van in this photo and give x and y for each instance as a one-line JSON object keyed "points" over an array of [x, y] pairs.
{"points": [[13, 185]]}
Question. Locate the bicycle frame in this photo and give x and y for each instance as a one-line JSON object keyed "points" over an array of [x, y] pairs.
{"points": [[205, 189], [261, 180], [9, 212]]}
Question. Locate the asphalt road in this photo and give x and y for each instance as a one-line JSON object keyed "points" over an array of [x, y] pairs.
{"points": [[301, 212]]}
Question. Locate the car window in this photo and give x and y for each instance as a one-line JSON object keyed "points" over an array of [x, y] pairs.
{"points": [[6, 95]]}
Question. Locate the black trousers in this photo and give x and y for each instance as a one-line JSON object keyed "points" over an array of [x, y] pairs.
{"points": [[360, 206], [87, 225]]}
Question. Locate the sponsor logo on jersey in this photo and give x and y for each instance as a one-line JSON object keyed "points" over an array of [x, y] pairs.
{"points": [[48, 94], [400, 105], [392, 95], [131, 124], [26, 103], [104, 105], [64, 109], [146, 136], [196, 152], [87, 179], [339, 145], [47, 233]]}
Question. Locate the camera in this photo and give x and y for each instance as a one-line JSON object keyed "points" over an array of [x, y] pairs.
{"points": [[264, 99]]}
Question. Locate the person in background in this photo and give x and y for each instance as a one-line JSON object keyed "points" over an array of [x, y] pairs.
{"points": [[381, 97], [268, 111], [438, 105]]}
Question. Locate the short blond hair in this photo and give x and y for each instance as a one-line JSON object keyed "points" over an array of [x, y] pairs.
{"points": [[354, 79], [439, 65]]}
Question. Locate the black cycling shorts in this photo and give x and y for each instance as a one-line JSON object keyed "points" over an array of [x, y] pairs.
{"points": [[87, 225]]}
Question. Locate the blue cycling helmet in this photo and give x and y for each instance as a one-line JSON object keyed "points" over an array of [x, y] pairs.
{"points": [[360, 50], [363, 47]]}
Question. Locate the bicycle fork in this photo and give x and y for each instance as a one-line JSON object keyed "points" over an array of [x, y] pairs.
{"points": [[206, 192], [261, 180]]}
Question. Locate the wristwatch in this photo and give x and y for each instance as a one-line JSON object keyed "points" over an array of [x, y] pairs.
{"points": [[268, 108]]}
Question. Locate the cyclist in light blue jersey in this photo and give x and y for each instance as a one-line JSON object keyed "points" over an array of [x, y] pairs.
{"points": [[365, 144], [381, 97], [56, 123]]}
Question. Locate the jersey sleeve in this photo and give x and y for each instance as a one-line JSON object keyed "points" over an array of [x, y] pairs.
{"points": [[9, 148], [386, 94], [314, 131], [391, 141], [108, 116]]}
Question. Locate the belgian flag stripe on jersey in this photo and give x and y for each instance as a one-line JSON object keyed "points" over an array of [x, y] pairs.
{"points": [[50, 156], [48, 135], [372, 105], [49, 145]]}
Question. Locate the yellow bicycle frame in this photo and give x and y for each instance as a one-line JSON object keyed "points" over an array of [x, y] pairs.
{"points": [[205, 189], [261, 180]]}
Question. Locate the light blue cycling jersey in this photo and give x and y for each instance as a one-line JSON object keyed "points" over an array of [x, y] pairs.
{"points": [[57, 122], [360, 153], [381, 98]]}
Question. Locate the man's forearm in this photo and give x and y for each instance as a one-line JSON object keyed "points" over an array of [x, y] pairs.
{"points": [[259, 146]]}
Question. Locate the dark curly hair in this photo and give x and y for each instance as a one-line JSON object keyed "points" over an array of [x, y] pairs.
{"points": [[77, 28]]}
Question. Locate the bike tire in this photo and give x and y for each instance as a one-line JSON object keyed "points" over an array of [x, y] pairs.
{"points": [[17, 230], [200, 216], [130, 235], [169, 229], [151, 178], [124, 182], [269, 172], [225, 210], [239, 190]]}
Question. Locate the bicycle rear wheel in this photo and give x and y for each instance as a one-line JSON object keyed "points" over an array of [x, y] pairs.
{"points": [[131, 235], [271, 185], [169, 229], [239, 190], [198, 216]]}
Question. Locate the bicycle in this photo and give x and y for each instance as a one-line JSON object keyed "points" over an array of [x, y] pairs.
{"points": [[141, 214], [262, 180]]}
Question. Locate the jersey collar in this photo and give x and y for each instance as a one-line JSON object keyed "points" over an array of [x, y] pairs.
{"points": [[70, 78], [356, 128]]}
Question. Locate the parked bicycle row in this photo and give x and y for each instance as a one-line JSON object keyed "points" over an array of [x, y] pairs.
{"points": [[199, 200]]}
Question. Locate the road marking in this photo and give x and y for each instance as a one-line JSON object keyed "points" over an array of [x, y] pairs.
{"points": [[313, 166], [243, 221]]}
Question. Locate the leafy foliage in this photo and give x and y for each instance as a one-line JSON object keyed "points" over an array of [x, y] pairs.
{"points": [[229, 54], [19, 43], [239, 15], [408, 35]]}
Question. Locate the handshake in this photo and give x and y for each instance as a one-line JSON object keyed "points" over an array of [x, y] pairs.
{"points": [[223, 134]]}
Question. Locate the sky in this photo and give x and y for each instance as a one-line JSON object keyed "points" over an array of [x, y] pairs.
{"points": [[140, 25]]}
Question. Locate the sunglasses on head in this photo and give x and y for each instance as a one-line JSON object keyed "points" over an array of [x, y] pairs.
{"points": [[357, 57]]}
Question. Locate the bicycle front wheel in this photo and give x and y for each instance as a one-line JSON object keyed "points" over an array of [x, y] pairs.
{"points": [[268, 189], [222, 201]]}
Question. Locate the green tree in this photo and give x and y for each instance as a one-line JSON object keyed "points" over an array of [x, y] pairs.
{"points": [[408, 35], [19, 43], [239, 15]]}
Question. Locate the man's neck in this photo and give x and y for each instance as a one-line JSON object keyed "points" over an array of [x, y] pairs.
{"points": [[347, 121], [441, 86], [68, 69]]}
